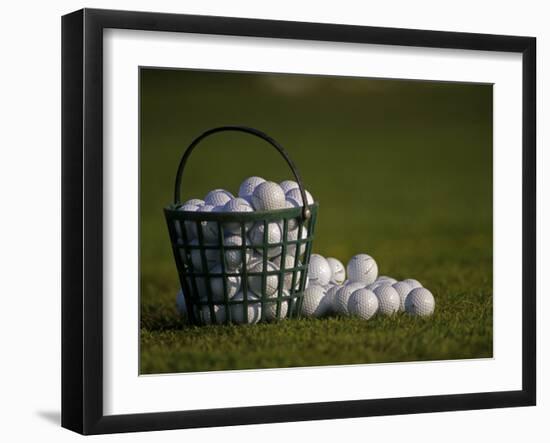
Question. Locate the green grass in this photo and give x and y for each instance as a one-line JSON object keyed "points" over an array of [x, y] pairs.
{"points": [[402, 171]]}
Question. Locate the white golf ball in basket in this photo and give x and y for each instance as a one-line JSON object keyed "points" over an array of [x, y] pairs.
{"points": [[413, 283], [403, 290], [314, 303], [233, 257], [237, 205], [319, 270], [292, 236], [292, 223], [289, 265], [209, 228], [287, 185], [247, 187], [232, 283], [218, 197], [341, 297], [363, 303], [212, 257], [388, 300], [268, 196], [338, 272], [274, 235], [254, 309], [270, 308], [195, 202], [255, 282], [362, 268], [296, 194], [191, 229], [205, 314], [420, 301]]}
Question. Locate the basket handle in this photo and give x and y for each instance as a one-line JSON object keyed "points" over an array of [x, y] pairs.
{"points": [[306, 213]]}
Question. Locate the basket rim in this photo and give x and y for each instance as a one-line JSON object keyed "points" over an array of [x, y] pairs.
{"points": [[172, 212]]}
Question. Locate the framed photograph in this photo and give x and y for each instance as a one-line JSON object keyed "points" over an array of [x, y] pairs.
{"points": [[268, 221]]}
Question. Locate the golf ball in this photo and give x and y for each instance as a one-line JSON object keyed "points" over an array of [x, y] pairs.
{"points": [[313, 304], [289, 272], [191, 229], [270, 309], [292, 223], [362, 268], [193, 202], [237, 205], [296, 194], [255, 282], [233, 256], [341, 298], [211, 256], [241, 314], [205, 314], [268, 196], [292, 236], [232, 283], [338, 272], [420, 301], [209, 229], [403, 290], [330, 292], [386, 279], [287, 185], [413, 283], [247, 187], [319, 270], [363, 303], [388, 300], [218, 197], [274, 235]]}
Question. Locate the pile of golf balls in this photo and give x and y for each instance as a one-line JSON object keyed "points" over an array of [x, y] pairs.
{"points": [[364, 293], [255, 194]]}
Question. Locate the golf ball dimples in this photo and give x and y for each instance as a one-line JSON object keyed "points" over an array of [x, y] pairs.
{"points": [[194, 202], [319, 271], [362, 268], [341, 298], [287, 185], [296, 194], [205, 316], [413, 283], [218, 197], [180, 304], [233, 257], [268, 196], [274, 235], [388, 300], [312, 304], [255, 282], [363, 303], [338, 272], [247, 187], [232, 282], [403, 290], [420, 301], [253, 311], [270, 309], [237, 205]]}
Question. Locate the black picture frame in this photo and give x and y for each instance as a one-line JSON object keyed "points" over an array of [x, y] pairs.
{"points": [[82, 219]]}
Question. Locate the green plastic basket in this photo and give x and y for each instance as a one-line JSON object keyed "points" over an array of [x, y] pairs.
{"points": [[196, 258]]}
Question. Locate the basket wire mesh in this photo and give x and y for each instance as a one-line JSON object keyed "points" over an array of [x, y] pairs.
{"points": [[218, 290]]}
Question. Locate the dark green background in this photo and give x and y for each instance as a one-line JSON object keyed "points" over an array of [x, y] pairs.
{"points": [[402, 170]]}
